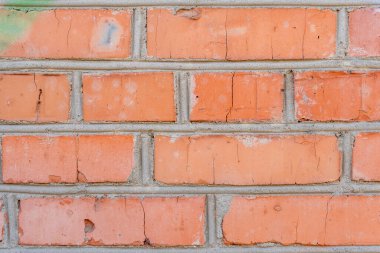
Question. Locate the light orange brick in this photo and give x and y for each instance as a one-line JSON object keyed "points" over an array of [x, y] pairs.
{"points": [[109, 222], [34, 97], [366, 159], [246, 160], [303, 220], [68, 34], [364, 30], [337, 96], [67, 159], [236, 97], [175, 221], [82, 221], [241, 34], [129, 97]]}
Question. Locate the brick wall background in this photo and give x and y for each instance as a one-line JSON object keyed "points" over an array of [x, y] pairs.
{"points": [[190, 126]]}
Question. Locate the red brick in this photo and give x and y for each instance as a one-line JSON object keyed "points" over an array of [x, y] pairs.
{"points": [[105, 158], [68, 33], [34, 97], [306, 220], [175, 221], [246, 160], [38, 159], [365, 32], [366, 160], [241, 34], [83, 221], [337, 96], [129, 97], [119, 221], [236, 97], [67, 159]]}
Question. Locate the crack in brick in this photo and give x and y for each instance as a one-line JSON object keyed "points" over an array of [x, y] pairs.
{"points": [[146, 240]]}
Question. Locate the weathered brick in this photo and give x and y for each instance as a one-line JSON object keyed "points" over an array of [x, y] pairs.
{"points": [[175, 221], [337, 96], [66, 33], [246, 160], [67, 159], [365, 32], [241, 34], [34, 97], [306, 220], [234, 97], [366, 160], [129, 97], [105, 221]]}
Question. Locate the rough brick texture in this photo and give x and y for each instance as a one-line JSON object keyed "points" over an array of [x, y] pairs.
{"points": [[129, 97], [190, 126], [34, 97], [66, 34], [339, 96], [365, 157], [118, 221], [241, 34], [365, 32], [246, 160], [236, 97], [67, 159], [306, 220]]}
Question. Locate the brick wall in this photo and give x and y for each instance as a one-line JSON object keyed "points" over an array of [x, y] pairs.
{"points": [[190, 126]]}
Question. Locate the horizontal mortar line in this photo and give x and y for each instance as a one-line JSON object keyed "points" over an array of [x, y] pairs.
{"points": [[185, 65], [274, 249], [194, 128], [354, 188], [120, 3]]}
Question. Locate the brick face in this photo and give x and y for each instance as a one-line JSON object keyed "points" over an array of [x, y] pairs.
{"points": [[365, 32], [34, 97], [241, 34], [129, 97], [337, 96], [246, 160], [106, 221], [78, 34], [365, 159], [189, 126], [236, 97], [305, 220], [67, 159]]}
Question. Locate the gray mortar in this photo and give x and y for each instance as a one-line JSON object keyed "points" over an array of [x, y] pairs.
{"points": [[133, 3], [346, 64]]}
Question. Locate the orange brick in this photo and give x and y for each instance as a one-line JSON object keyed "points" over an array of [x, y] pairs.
{"points": [[105, 158], [67, 33], [175, 221], [306, 220], [82, 221], [241, 34], [366, 160], [235, 97], [67, 159], [37, 159], [246, 160], [105, 221], [365, 32], [129, 97], [34, 97], [340, 96]]}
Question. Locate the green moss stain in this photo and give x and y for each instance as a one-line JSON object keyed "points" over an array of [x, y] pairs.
{"points": [[15, 22]]}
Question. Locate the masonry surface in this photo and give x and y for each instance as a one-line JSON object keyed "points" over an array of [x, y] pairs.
{"points": [[189, 126]]}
